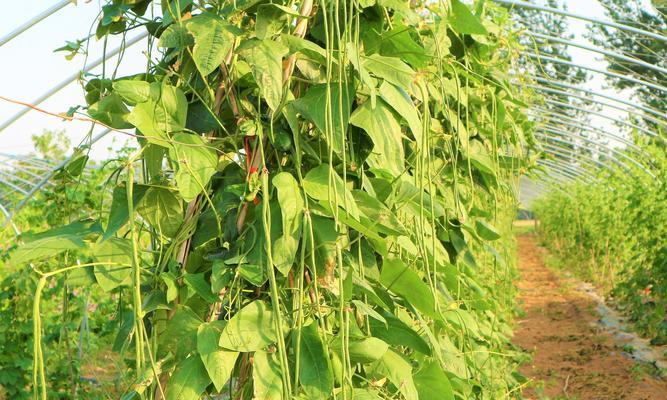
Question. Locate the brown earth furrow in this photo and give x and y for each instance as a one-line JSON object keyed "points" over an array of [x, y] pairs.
{"points": [[572, 357]]}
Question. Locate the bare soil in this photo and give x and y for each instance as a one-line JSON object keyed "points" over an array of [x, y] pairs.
{"points": [[572, 357]]}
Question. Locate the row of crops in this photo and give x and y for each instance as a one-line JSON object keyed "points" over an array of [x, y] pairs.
{"points": [[613, 233], [319, 207]]}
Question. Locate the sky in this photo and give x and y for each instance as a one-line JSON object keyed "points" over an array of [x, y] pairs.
{"points": [[30, 68]]}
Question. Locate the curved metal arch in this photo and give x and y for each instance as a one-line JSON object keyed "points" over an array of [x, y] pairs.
{"points": [[46, 179], [29, 160], [604, 116], [21, 168], [15, 228], [559, 170], [596, 70], [55, 89], [574, 159], [546, 116], [542, 187], [583, 18], [559, 140], [599, 50], [558, 179], [33, 21], [592, 112], [564, 158], [582, 158], [649, 110], [15, 178], [601, 145], [11, 185], [562, 164], [555, 118], [556, 141]]}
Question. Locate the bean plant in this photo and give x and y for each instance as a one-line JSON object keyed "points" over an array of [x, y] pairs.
{"points": [[76, 326], [319, 204], [614, 233]]}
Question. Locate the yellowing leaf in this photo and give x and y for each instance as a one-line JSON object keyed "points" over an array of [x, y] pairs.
{"points": [[213, 41]]}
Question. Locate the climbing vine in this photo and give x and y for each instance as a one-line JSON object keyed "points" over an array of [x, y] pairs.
{"points": [[318, 205]]}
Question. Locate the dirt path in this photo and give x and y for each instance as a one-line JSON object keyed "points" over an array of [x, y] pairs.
{"points": [[572, 357]]}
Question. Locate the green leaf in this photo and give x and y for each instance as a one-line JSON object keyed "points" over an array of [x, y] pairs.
{"points": [[399, 43], [400, 101], [464, 21], [391, 69], [315, 373], [270, 20], [173, 10], [162, 209], [397, 333], [77, 163], [313, 106], [377, 215], [198, 284], [81, 277], [153, 155], [266, 377], [323, 183], [432, 382], [367, 310], [155, 300], [250, 329], [291, 209], [131, 91], [165, 112], [175, 36], [213, 41], [365, 394], [110, 111], [399, 372], [402, 280], [479, 156], [201, 118], [326, 237], [119, 214], [197, 163], [180, 335], [486, 230], [265, 59], [382, 127], [172, 288], [81, 228], [364, 350], [308, 49], [356, 61], [117, 254], [188, 381], [46, 247], [218, 362]]}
